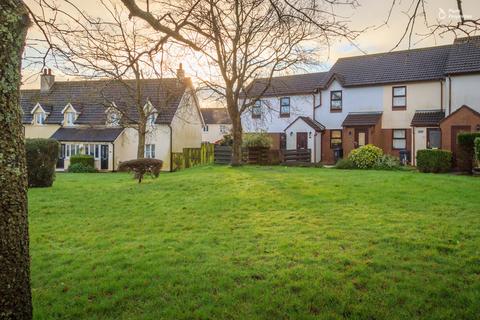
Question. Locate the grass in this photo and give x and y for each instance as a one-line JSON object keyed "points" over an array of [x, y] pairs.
{"points": [[257, 243]]}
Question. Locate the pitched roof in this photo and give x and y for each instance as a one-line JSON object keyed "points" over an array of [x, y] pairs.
{"points": [[92, 98], [216, 116], [87, 134], [390, 67], [314, 124], [355, 119], [286, 85], [425, 118], [464, 56]]}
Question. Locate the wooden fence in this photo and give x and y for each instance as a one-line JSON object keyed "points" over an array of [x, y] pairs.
{"points": [[223, 154], [191, 157], [296, 156]]}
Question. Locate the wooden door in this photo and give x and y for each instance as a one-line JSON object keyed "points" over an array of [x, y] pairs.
{"points": [[61, 157], [455, 130], [302, 140], [361, 137]]}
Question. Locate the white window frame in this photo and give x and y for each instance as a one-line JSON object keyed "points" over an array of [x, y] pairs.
{"points": [[257, 109], [223, 128], [402, 138], [39, 115], [69, 118], [149, 151], [205, 128]]}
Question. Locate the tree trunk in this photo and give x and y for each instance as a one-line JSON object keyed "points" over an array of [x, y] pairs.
{"points": [[237, 133], [141, 141], [15, 294]]}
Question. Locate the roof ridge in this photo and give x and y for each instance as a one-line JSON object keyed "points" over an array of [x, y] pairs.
{"points": [[293, 75], [394, 52], [110, 80]]}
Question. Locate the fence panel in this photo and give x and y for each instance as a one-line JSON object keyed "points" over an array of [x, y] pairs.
{"points": [[299, 156], [223, 154]]}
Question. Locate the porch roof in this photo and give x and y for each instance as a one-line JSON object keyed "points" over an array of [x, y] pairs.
{"points": [[314, 124], [87, 134], [425, 118], [361, 119]]}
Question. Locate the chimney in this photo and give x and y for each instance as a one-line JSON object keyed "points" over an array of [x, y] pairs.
{"points": [[180, 73], [46, 80]]}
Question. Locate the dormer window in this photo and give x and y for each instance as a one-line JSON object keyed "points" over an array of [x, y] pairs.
{"points": [[69, 115], [39, 115], [113, 119], [69, 118], [39, 118], [151, 119]]}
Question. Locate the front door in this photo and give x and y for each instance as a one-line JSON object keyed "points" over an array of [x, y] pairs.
{"points": [[302, 140], [361, 137], [454, 132], [61, 157], [104, 157]]}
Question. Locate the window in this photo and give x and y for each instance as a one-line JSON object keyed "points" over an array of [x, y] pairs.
{"points": [[149, 151], [113, 119], [336, 100], [151, 119], [283, 141], [335, 139], [40, 118], [399, 139], [205, 128], [97, 151], [257, 110], [285, 107], [399, 97], [223, 128], [70, 118], [434, 138]]}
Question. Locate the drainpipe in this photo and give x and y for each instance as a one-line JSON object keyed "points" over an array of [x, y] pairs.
{"points": [[449, 95], [113, 156], [171, 145], [314, 98], [441, 95]]}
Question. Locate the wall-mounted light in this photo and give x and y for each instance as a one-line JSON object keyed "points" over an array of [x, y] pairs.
{"points": [[291, 133], [310, 135], [350, 132]]}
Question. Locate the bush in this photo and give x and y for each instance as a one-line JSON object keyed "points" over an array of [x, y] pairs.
{"points": [[387, 162], [345, 164], [477, 148], [466, 144], [365, 157], [257, 140], [42, 156], [83, 159], [81, 168], [140, 167], [227, 140], [430, 160]]}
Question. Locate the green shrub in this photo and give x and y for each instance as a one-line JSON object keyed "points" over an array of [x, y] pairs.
{"points": [[227, 140], [140, 167], [466, 153], [81, 168], [42, 157], [85, 160], [477, 149], [430, 160], [387, 162], [345, 163], [365, 157], [257, 140]]}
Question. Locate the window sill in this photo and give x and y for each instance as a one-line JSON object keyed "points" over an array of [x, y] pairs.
{"points": [[399, 108], [335, 110], [285, 115]]}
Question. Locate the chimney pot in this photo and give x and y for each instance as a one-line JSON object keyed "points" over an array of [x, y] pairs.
{"points": [[46, 80], [49, 71]]}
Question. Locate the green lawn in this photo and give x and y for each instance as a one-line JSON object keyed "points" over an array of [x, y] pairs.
{"points": [[257, 243]]}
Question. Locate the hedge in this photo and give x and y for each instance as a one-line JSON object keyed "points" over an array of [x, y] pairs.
{"points": [[42, 156], [466, 144], [140, 167], [434, 160], [477, 148], [83, 159], [81, 168]]}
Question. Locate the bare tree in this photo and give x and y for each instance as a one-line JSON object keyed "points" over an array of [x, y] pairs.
{"points": [[15, 294], [112, 48], [451, 20], [247, 39]]}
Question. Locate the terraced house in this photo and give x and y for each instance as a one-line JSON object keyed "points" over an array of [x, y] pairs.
{"points": [[401, 101], [84, 117]]}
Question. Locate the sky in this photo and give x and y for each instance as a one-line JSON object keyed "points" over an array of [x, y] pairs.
{"points": [[369, 16]]}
